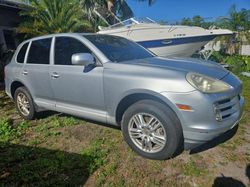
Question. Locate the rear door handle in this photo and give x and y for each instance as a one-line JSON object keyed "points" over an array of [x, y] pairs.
{"points": [[25, 72], [55, 75]]}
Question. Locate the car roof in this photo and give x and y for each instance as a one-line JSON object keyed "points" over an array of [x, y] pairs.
{"points": [[59, 34]]}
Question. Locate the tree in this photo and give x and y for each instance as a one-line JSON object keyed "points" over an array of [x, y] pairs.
{"points": [[197, 21], [239, 22], [53, 16], [119, 8], [186, 21]]}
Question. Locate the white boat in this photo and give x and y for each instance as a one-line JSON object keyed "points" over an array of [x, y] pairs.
{"points": [[164, 40]]}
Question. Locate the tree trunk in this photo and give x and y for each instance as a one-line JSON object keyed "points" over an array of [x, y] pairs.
{"points": [[111, 6]]}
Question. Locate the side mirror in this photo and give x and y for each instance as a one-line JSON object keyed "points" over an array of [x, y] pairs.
{"points": [[82, 59]]}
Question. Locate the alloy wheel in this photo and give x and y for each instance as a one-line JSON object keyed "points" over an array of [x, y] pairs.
{"points": [[23, 104], [147, 132]]}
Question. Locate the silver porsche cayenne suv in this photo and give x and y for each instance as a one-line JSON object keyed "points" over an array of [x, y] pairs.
{"points": [[160, 104]]}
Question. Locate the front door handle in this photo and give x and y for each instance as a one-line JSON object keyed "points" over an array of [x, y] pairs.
{"points": [[55, 75], [25, 72]]}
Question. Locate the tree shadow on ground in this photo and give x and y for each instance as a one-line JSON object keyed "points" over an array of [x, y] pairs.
{"points": [[33, 166], [5, 101], [229, 181]]}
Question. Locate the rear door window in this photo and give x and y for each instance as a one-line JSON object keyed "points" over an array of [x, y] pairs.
{"points": [[22, 52], [39, 52], [65, 47]]}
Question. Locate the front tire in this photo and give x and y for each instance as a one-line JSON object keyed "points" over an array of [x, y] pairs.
{"points": [[152, 129], [24, 103]]}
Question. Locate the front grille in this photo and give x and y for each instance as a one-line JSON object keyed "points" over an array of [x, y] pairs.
{"points": [[225, 108]]}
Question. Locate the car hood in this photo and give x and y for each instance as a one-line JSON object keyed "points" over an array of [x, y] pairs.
{"points": [[208, 68]]}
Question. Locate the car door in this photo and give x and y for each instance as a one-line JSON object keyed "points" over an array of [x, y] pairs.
{"points": [[77, 89], [35, 72]]}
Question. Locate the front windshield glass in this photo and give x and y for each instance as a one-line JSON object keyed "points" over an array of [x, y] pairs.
{"points": [[127, 22], [144, 20], [118, 49], [132, 21]]}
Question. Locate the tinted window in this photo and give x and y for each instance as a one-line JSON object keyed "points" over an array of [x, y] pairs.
{"points": [[39, 51], [65, 47], [21, 54], [118, 49]]}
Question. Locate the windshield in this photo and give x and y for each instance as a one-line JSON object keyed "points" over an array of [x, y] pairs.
{"points": [[144, 20], [132, 21], [118, 49]]}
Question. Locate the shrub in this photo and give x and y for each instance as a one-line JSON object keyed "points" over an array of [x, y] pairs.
{"points": [[237, 64], [247, 62]]}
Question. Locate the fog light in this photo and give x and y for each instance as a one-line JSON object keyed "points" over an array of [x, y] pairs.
{"points": [[217, 113]]}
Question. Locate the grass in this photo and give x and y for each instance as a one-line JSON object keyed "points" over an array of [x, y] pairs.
{"points": [[96, 154], [7, 130], [61, 150]]}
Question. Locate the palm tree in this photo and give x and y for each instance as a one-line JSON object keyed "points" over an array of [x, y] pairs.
{"points": [[239, 22], [88, 7], [119, 8], [53, 16]]}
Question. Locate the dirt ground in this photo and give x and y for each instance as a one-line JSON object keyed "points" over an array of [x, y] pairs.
{"points": [[60, 150]]}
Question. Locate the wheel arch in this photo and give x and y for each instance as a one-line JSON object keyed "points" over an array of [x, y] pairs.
{"points": [[132, 98], [14, 85]]}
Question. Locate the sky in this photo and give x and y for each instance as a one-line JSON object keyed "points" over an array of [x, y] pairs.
{"points": [[175, 10]]}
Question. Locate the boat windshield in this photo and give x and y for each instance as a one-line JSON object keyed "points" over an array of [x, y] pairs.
{"points": [[118, 49], [132, 21]]}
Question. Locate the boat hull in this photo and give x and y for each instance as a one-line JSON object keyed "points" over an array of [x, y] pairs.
{"points": [[184, 47], [168, 40]]}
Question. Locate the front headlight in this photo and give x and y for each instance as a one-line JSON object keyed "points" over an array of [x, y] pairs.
{"points": [[207, 84]]}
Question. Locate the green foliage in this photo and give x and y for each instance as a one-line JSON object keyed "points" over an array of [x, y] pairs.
{"points": [[50, 126], [70, 121], [237, 63], [120, 8], [95, 154], [247, 62], [196, 21], [8, 132], [217, 57], [53, 16], [238, 21]]}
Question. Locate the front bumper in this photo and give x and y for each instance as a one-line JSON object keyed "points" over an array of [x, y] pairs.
{"points": [[199, 147], [200, 125], [195, 139]]}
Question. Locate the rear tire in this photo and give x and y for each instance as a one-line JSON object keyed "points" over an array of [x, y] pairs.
{"points": [[160, 136], [24, 103]]}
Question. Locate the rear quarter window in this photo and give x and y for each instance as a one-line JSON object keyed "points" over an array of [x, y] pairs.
{"points": [[21, 53]]}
